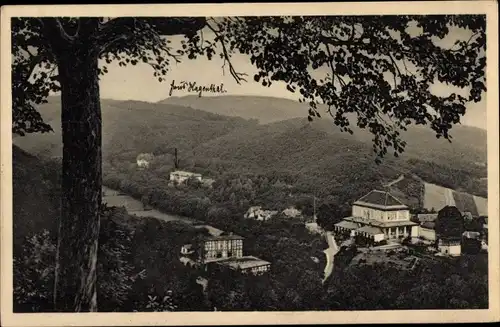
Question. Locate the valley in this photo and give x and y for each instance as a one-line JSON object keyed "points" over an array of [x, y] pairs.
{"points": [[275, 164], [313, 156]]}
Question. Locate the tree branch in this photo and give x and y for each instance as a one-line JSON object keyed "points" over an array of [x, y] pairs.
{"points": [[123, 28], [237, 76], [54, 30]]}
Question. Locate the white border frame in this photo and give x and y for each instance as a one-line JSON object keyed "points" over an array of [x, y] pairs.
{"points": [[490, 8]]}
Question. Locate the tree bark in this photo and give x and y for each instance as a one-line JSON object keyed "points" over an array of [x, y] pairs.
{"points": [[75, 283]]}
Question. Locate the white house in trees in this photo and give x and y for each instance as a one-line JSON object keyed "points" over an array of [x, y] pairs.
{"points": [[257, 213], [292, 212], [144, 160], [379, 216], [180, 176]]}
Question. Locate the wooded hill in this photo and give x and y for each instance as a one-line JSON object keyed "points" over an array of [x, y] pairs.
{"points": [[244, 134]]}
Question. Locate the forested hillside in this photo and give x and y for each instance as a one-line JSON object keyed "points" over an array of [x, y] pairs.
{"points": [[133, 127], [309, 156], [139, 258], [260, 108]]}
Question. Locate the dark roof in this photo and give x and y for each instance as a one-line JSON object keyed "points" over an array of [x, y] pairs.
{"points": [[370, 230], [380, 198], [347, 225], [377, 223], [224, 237]]}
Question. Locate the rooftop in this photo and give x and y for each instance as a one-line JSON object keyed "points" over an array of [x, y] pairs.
{"points": [[224, 237], [376, 223], [246, 262], [187, 173], [212, 230], [370, 230], [380, 199], [347, 224]]}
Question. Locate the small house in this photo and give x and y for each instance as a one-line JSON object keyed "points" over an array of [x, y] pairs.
{"points": [[247, 265], [257, 213], [292, 212], [450, 247], [180, 176], [144, 160]]}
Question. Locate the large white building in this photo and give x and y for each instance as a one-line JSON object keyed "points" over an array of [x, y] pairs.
{"points": [[225, 251], [379, 216]]}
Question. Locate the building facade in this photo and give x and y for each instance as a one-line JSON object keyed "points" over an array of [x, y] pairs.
{"points": [[224, 252], [246, 265], [222, 247], [450, 247], [427, 232], [378, 216]]}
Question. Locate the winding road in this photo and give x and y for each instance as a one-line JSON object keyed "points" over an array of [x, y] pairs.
{"points": [[330, 253]]}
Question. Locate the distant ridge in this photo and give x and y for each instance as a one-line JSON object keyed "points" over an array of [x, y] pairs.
{"points": [[262, 108]]}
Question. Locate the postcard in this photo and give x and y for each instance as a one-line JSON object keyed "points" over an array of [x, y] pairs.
{"points": [[215, 164]]}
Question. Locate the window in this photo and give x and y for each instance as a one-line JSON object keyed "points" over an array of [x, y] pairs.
{"points": [[230, 254], [219, 254]]}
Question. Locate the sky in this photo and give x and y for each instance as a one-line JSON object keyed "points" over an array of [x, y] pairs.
{"points": [[138, 83]]}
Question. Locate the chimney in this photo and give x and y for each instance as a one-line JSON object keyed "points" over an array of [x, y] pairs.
{"points": [[176, 160]]}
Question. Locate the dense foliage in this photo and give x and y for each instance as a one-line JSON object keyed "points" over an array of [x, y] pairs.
{"points": [[356, 54], [286, 244], [449, 223], [140, 268]]}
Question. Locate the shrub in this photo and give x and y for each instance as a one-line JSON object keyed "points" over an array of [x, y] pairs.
{"points": [[34, 274], [34, 269]]}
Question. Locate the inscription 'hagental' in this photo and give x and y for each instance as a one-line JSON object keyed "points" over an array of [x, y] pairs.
{"points": [[192, 87]]}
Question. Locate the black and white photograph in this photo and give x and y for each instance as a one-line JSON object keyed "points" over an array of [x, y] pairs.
{"points": [[259, 162]]}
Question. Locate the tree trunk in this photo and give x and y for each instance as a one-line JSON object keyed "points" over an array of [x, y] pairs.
{"points": [[75, 283]]}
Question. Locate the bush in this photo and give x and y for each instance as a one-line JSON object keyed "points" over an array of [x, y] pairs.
{"points": [[34, 269], [34, 274]]}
